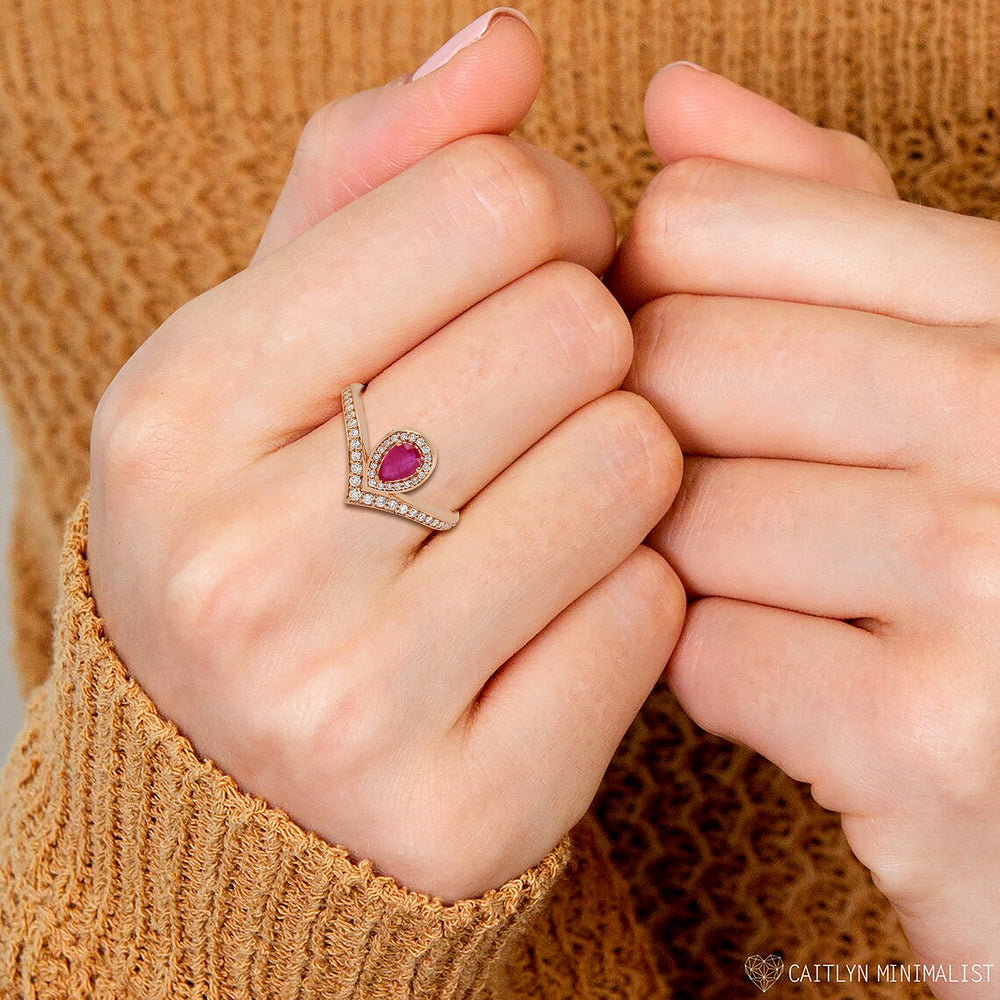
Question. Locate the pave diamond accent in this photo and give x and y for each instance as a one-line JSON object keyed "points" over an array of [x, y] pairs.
{"points": [[411, 456]]}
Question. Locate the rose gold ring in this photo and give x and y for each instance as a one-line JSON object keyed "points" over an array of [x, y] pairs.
{"points": [[401, 461]]}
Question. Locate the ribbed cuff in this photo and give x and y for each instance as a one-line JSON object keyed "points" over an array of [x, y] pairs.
{"points": [[129, 867]]}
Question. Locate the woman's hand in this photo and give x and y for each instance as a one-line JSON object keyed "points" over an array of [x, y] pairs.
{"points": [[444, 704], [829, 358]]}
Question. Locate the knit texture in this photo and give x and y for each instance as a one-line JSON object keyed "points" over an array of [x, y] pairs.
{"points": [[142, 145], [130, 868]]}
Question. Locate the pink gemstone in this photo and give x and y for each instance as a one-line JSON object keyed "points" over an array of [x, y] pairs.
{"points": [[399, 462]]}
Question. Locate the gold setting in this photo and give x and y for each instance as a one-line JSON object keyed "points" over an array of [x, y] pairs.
{"points": [[366, 489]]}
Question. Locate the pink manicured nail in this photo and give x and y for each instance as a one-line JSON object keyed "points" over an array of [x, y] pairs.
{"points": [[684, 62], [469, 34]]}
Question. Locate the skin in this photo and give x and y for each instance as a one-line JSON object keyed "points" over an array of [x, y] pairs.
{"points": [[418, 698], [827, 356], [835, 527]]}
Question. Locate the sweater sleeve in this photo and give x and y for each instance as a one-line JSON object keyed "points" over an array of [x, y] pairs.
{"points": [[130, 867]]}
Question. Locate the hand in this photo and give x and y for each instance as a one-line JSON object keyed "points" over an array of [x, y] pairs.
{"points": [[827, 357], [444, 704]]}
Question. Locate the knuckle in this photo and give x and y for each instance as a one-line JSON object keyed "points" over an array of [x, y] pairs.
{"points": [[318, 133], [691, 176], [699, 645], [658, 589], [491, 182], [586, 324], [134, 438], [870, 168], [680, 195], [680, 311], [352, 721], [659, 329], [647, 459], [959, 548], [676, 208], [311, 729], [212, 593], [967, 382]]}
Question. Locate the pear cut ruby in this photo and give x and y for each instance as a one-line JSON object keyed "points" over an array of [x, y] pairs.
{"points": [[399, 462]]}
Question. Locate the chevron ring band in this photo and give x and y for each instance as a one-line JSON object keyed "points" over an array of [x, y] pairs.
{"points": [[401, 461]]}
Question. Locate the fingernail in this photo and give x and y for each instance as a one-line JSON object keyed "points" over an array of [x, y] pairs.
{"points": [[690, 65], [466, 37]]}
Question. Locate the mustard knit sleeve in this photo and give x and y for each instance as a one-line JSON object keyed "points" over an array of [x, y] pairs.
{"points": [[129, 867]]}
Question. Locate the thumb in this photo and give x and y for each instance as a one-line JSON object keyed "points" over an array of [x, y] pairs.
{"points": [[483, 80], [693, 112]]}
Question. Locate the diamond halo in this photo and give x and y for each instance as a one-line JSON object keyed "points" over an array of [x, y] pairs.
{"points": [[365, 486]]}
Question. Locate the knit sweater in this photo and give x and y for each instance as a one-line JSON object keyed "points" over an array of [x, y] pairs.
{"points": [[142, 145]]}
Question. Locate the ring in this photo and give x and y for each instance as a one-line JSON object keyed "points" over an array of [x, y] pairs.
{"points": [[401, 461]]}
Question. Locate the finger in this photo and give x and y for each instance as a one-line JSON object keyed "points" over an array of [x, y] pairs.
{"points": [[489, 385], [753, 377], [354, 144], [718, 228], [354, 293], [549, 721], [827, 540], [551, 526], [802, 691], [692, 112]]}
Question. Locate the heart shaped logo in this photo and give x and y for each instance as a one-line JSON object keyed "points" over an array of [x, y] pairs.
{"points": [[764, 972]]}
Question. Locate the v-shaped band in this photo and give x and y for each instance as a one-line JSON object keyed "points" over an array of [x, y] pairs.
{"points": [[401, 461]]}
